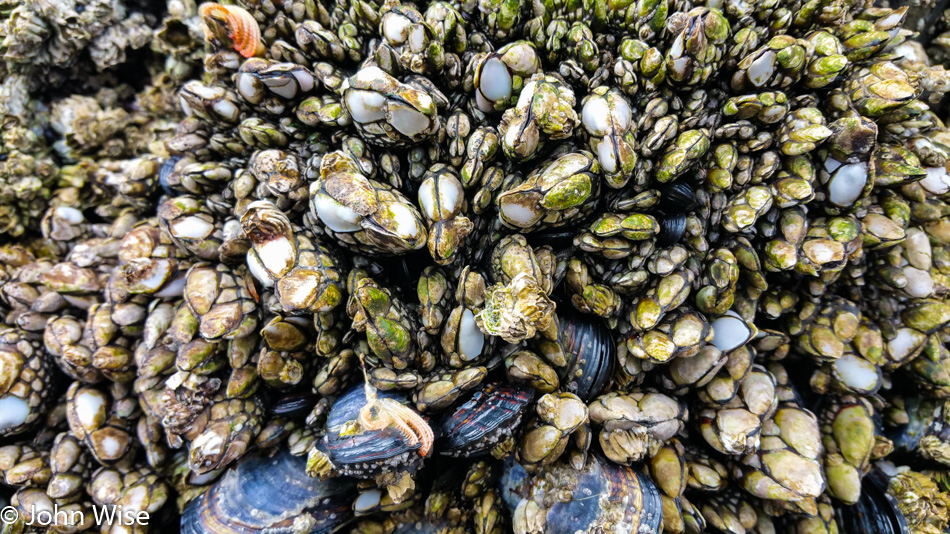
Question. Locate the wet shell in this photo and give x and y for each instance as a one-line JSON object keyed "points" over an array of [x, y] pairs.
{"points": [[925, 417], [367, 453], [491, 414], [272, 494], [605, 498], [165, 172], [558, 239], [242, 29], [294, 405], [672, 228], [590, 352], [875, 511], [676, 200], [678, 195]]}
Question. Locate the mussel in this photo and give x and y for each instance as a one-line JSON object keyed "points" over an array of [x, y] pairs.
{"points": [[590, 353], [678, 195], [366, 453], [270, 493], [488, 417], [165, 172], [676, 200], [604, 498], [672, 228], [293, 405], [926, 432], [875, 511]]}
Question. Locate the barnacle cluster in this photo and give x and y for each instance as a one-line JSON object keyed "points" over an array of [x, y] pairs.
{"points": [[476, 266]]}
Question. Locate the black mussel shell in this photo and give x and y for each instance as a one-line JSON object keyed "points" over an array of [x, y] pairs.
{"points": [[489, 415], [557, 238], [876, 512], [264, 493], [925, 418], [672, 228], [590, 352], [606, 497], [165, 172], [366, 453], [678, 196], [294, 405], [404, 271]]}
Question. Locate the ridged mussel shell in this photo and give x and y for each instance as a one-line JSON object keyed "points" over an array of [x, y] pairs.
{"points": [[264, 493], [165, 172], [605, 498], [875, 512], [678, 196], [590, 352], [672, 229], [489, 415], [293, 405], [925, 417], [676, 200], [366, 453]]}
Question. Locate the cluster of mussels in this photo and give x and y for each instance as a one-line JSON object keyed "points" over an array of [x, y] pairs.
{"points": [[475, 266]]}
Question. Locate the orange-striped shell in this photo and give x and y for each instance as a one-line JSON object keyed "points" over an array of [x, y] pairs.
{"points": [[243, 30]]}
